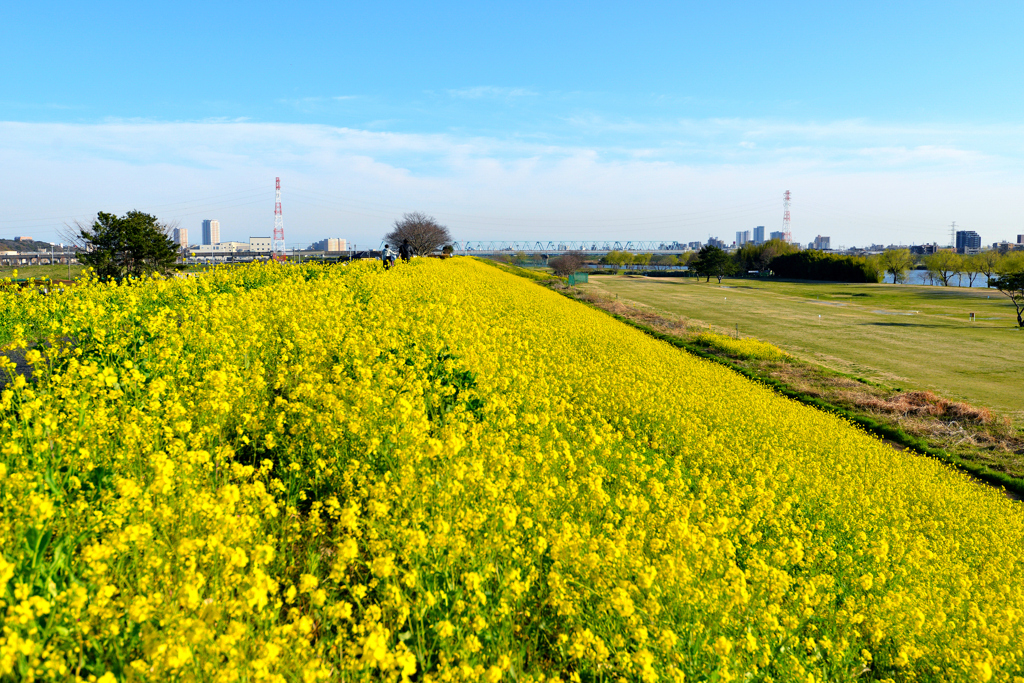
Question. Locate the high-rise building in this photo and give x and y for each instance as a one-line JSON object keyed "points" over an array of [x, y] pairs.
{"points": [[211, 232], [967, 239], [781, 235], [742, 237], [180, 237], [759, 234], [822, 243], [1020, 239]]}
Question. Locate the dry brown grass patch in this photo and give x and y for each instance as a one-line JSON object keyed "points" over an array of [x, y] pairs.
{"points": [[927, 404]]}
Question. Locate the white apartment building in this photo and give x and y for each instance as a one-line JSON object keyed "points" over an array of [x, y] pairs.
{"points": [[211, 232], [260, 244]]}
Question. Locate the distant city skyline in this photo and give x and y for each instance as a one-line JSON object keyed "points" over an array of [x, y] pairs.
{"points": [[661, 121]]}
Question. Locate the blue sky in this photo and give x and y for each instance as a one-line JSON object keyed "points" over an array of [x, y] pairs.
{"points": [[526, 120]]}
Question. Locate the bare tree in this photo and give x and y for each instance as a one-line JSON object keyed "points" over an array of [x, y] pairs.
{"points": [[567, 264], [425, 234]]}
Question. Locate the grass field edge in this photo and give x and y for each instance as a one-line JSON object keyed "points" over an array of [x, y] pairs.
{"points": [[892, 434]]}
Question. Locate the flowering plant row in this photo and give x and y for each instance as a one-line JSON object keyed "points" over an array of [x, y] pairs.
{"points": [[442, 471], [742, 348]]}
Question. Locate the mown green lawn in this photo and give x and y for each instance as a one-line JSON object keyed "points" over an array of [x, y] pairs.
{"points": [[903, 336]]}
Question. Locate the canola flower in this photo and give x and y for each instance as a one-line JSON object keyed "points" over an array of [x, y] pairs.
{"points": [[743, 348], [444, 472]]}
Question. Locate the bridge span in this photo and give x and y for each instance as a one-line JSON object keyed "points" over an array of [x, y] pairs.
{"points": [[555, 247]]}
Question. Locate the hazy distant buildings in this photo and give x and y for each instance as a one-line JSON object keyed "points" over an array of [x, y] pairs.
{"points": [[715, 242], [1020, 239], [759, 234], [180, 237], [221, 248], [695, 245], [924, 249], [211, 232], [742, 237], [330, 244], [967, 241], [823, 243], [779, 235], [23, 238]]}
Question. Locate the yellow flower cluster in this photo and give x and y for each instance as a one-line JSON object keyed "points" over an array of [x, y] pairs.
{"points": [[743, 348], [443, 472]]}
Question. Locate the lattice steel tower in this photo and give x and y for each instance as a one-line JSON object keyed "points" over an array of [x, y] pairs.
{"points": [[278, 244], [788, 236]]}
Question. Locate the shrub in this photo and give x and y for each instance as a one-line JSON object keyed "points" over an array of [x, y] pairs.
{"points": [[817, 265]]}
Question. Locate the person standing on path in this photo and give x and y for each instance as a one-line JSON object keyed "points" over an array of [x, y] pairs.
{"points": [[388, 257], [405, 251]]}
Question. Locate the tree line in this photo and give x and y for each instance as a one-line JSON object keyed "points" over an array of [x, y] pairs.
{"points": [[782, 259], [1002, 271]]}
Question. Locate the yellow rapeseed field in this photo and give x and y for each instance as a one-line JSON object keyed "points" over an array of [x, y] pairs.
{"points": [[446, 473], [742, 348]]}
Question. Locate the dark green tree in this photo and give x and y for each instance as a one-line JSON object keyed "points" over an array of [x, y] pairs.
{"points": [[131, 245], [759, 256], [712, 260], [1012, 285]]}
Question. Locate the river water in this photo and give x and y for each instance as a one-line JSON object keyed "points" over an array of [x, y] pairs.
{"points": [[920, 277]]}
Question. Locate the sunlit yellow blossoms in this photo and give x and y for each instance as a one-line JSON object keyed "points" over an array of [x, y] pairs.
{"points": [[742, 348], [306, 473]]}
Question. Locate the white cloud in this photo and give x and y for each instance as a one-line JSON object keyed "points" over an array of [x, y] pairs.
{"points": [[850, 180]]}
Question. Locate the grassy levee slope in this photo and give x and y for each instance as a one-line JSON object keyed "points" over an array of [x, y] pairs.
{"points": [[54, 272], [340, 473], [921, 336]]}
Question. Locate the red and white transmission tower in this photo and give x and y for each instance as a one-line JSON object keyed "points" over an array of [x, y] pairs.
{"points": [[787, 235], [278, 244]]}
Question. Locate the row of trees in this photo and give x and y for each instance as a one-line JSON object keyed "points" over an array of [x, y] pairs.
{"points": [[624, 259], [1005, 272], [786, 260], [711, 261], [944, 266]]}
